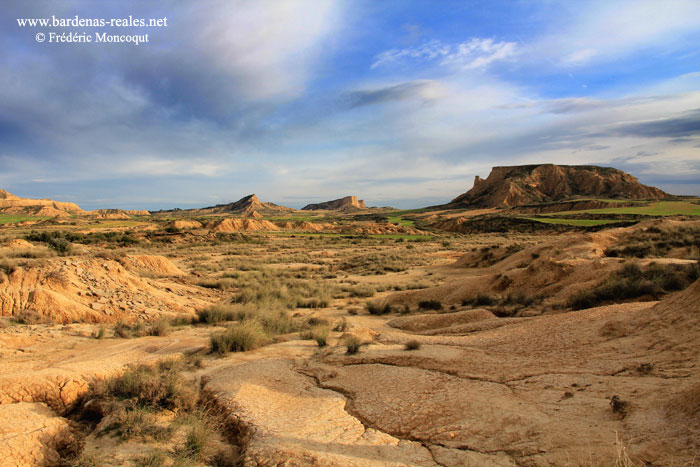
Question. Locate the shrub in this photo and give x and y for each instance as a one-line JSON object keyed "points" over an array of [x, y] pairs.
{"points": [[239, 337], [483, 300], [160, 385], [412, 345], [631, 282], [196, 441], [160, 327], [60, 245], [378, 308], [320, 335], [30, 317], [352, 344], [122, 330], [430, 305], [155, 459], [216, 314], [363, 291], [342, 325], [100, 332]]}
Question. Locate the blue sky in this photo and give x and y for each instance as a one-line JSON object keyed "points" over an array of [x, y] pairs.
{"points": [[400, 102]]}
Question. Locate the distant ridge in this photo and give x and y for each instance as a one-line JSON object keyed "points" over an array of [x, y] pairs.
{"points": [[246, 205], [11, 204], [348, 202], [528, 184]]}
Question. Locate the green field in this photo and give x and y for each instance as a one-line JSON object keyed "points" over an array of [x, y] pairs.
{"points": [[320, 235], [661, 208], [580, 222], [400, 221], [11, 219]]}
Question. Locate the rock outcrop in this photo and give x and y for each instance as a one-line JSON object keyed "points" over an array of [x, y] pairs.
{"points": [[11, 204], [349, 202], [529, 184], [246, 205]]}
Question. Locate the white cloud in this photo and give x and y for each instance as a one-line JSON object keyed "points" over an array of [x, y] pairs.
{"points": [[471, 54], [603, 30]]}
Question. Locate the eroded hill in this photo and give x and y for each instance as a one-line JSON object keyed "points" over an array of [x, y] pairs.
{"points": [[531, 184]]}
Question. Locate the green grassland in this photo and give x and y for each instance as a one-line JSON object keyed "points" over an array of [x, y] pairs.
{"points": [[348, 235], [12, 219], [661, 208], [401, 221], [579, 222]]}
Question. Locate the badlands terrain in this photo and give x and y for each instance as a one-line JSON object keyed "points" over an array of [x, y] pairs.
{"points": [[548, 317]]}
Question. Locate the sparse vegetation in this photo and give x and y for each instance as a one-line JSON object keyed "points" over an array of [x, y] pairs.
{"points": [[379, 308], [633, 282], [352, 345], [412, 345], [430, 305], [239, 337]]}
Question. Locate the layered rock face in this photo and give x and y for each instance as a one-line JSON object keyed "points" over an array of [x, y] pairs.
{"points": [[348, 202], [246, 205], [11, 204], [530, 184]]}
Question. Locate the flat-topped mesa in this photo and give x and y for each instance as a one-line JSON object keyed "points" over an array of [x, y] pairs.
{"points": [[348, 202], [530, 184], [11, 204]]}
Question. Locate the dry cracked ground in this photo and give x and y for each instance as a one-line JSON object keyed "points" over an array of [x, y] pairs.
{"points": [[188, 347]]}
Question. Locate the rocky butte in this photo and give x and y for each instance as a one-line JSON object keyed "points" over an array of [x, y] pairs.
{"points": [[530, 184], [348, 202]]}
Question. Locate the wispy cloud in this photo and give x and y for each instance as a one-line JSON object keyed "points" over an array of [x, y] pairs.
{"points": [[423, 90], [471, 54]]}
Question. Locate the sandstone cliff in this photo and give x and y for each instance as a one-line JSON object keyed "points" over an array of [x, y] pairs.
{"points": [[11, 204], [529, 184], [246, 205], [347, 202]]}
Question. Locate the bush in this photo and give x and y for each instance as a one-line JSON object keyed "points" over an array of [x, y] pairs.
{"points": [[100, 332], [483, 300], [430, 305], [320, 335], [239, 337], [122, 330], [352, 344], [196, 441], [30, 317], [159, 385], [60, 245], [216, 314], [631, 282], [161, 328], [378, 308], [342, 326], [412, 345]]}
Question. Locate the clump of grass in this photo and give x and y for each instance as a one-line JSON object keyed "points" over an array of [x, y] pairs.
{"points": [[412, 345], [352, 345], [136, 422], [31, 317], [160, 327], [154, 459], [363, 291], [220, 284], [632, 282], [216, 314], [161, 385], [196, 441], [378, 308], [100, 332], [239, 337], [430, 305], [320, 334], [342, 325]]}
